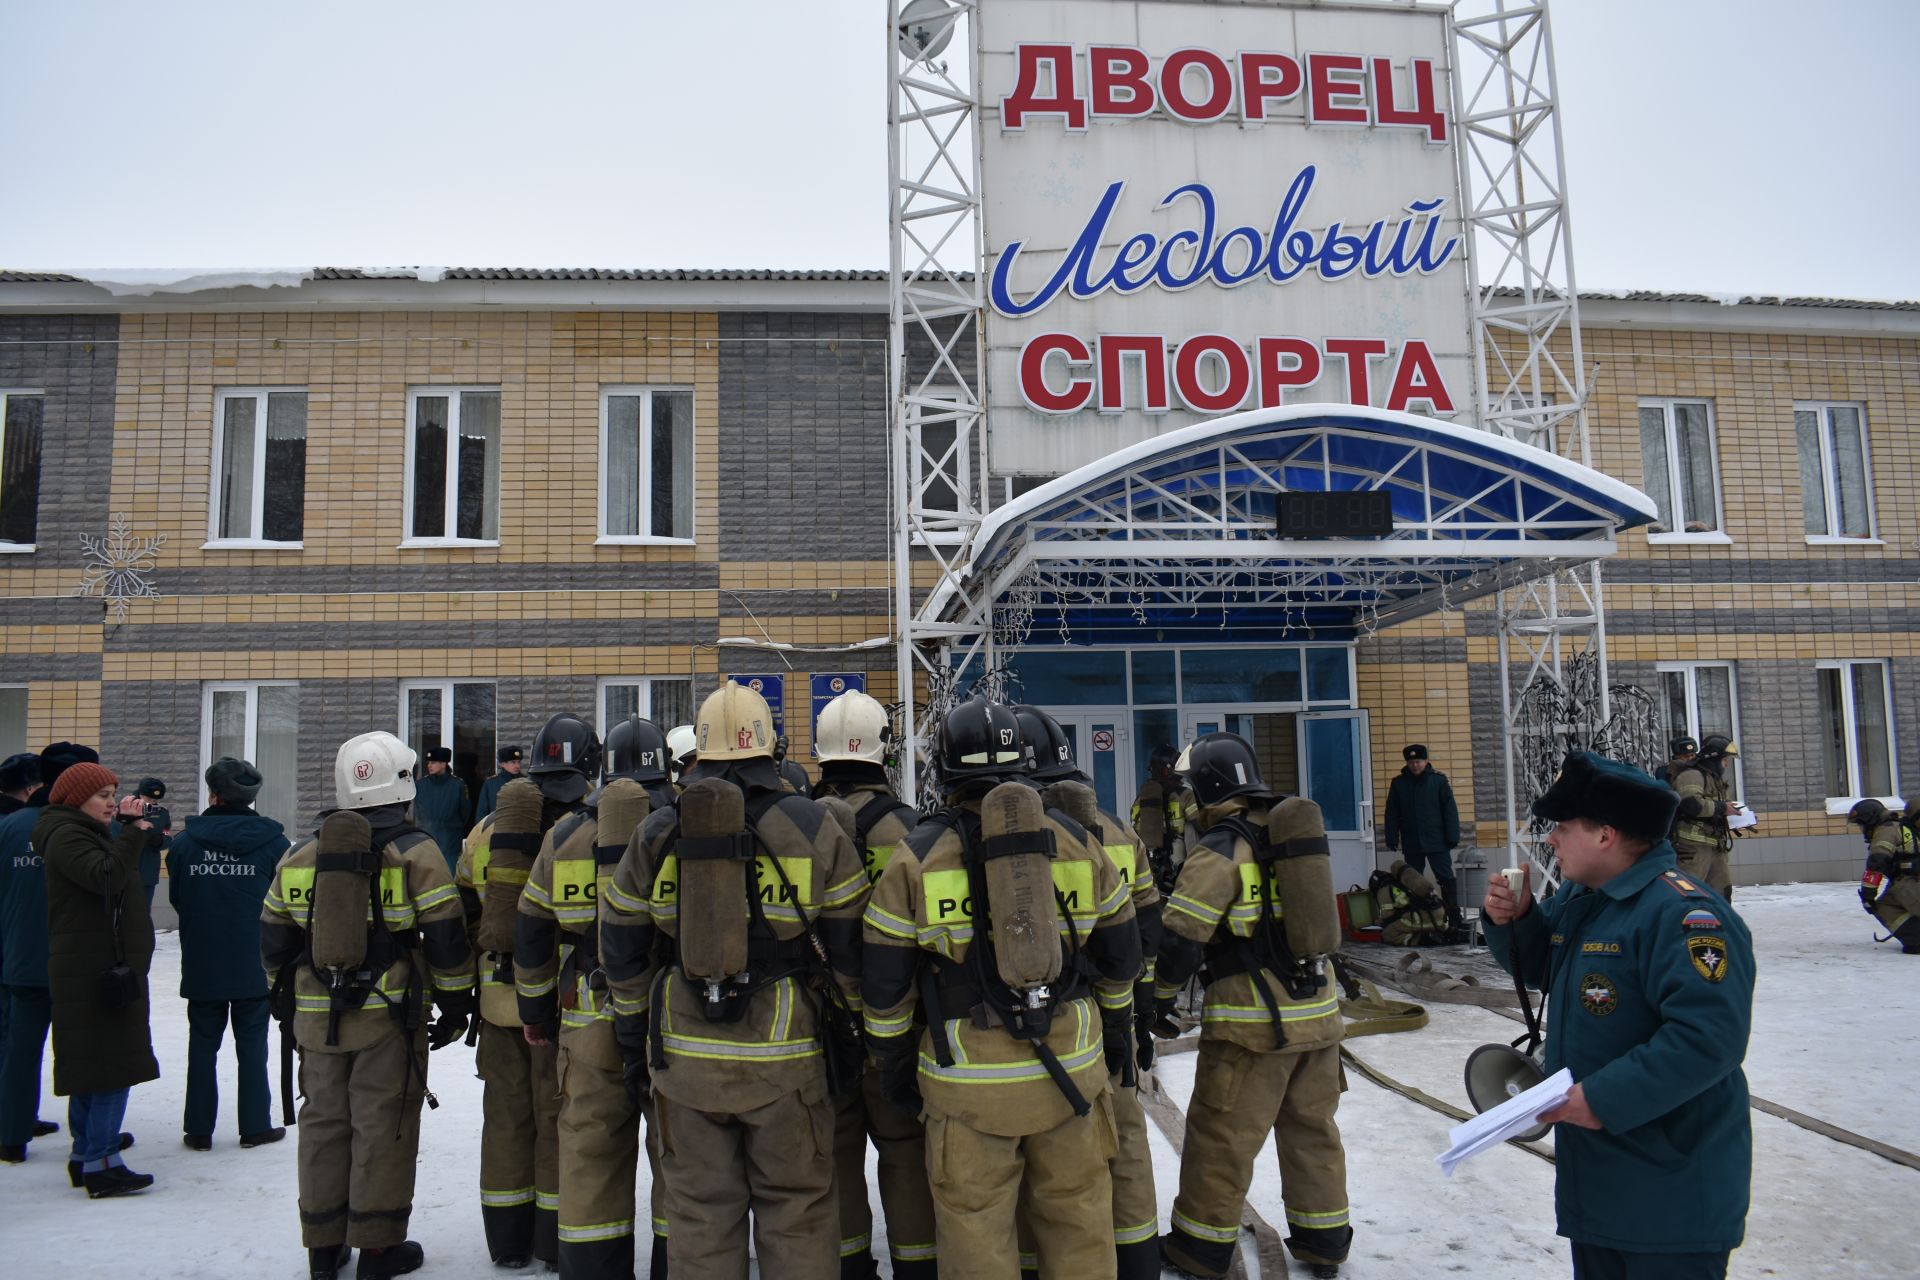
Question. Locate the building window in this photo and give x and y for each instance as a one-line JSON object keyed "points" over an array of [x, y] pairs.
{"points": [[1697, 698], [1856, 732], [1836, 490], [453, 464], [13, 720], [21, 413], [259, 723], [665, 702], [646, 463], [456, 714], [259, 465], [1677, 457]]}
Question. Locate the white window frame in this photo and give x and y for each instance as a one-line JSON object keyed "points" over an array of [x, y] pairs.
{"points": [[26, 717], [1693, 727], [22, 548], [451, 501], [1718, 534], [445, 688], [256, 519], [646, 392], [1830, 481], [646, 698], [252, 751], [1850, 731]]}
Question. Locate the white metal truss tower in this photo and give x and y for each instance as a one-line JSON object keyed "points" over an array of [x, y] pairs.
{"points": [[1531, 370], [1531, 378]]}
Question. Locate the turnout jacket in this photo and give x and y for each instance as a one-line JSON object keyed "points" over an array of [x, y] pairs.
{"points": [[775, 1047], [418, 906], [1649, 982], [921, 920], [218, 871], [556, 938], [1699, 826], [1212, 923], [1159, 815], [885, 816]]}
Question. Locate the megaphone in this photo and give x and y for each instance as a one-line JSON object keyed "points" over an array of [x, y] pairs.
{"points": [[1497, 1072]]}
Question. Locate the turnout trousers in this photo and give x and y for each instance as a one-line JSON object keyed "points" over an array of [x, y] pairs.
{"points": [[1239, 1098], [519, 1145], [902, 1143], [599, 1151], [1058, 1182], [359, 1141], [1709, 866], [775, 1162], [1136, 1208]]}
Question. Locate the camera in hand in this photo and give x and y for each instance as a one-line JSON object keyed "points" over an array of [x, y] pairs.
{"points": [[148, 808]]}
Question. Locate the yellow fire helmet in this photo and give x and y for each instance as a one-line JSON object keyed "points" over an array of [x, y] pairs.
{"points": [[734, 724]]}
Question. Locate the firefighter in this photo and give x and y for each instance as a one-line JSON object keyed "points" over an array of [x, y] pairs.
{"points": [[852, 740], [1701, 838], [1136, 1211], [1890, 885], [1269, 1059], [732, 948], [1029, 994], [562, 995], [361, 923], [1159, 814]]}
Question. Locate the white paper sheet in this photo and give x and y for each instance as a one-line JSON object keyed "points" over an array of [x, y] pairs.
{"points": [[1510, 1119], [1742, 817]]}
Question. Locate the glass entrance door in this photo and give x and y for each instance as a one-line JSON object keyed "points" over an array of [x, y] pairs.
{"points": [[1336, 774], [1270, 732], [1101, 747]]}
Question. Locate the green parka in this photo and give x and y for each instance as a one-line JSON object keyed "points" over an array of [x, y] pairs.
{"points": [[89, 874]]}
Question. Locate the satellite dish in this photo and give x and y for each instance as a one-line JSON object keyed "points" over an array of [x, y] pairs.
{"points": [[1497, 1072], [926, 28]]}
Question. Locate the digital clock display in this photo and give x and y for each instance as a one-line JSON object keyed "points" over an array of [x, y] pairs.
{"points": [[1358, 514]]}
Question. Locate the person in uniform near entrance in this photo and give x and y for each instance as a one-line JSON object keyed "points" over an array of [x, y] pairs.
{"points": [[1269, 1060], [519, 1135], [1890, 885], [1422, 817], [1136, 1211], [852, 740], [558, 959], [1682, 752], [440, 805], [509, 762], [1028, 1007], [1159, 814], [731, 940], [1649, 979], [159, 835], [355, 987], [218, 871], [1701, 838]]}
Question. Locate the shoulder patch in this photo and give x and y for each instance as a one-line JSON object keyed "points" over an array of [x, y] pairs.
{"points": [[1700, 919], [1709, 956]]}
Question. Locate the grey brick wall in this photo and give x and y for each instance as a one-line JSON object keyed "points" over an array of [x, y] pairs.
{"points": [[72, 359], [153, 727]]}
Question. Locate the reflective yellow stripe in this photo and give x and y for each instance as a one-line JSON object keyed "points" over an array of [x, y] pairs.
{"points": [[853, 1246], [1224, 1012], [1135, 1235], [505, 1199], [911, 1252], [886, 922], [1336, 1218], [597, 1231], [1206, 1231]]}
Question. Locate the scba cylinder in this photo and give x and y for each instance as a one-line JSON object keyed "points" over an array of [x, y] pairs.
{"points": [[1302, 871]]}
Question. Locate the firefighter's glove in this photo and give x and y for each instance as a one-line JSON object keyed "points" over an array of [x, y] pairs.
{"points": [[900, 1077], [1163, 1024], [454, 1008], [1116, 1038], [1870, 889], [636, 1068], [1143, 1038]]}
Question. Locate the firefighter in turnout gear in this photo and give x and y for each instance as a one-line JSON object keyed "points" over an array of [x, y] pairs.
{"points": [[852, 740], [519, 1150], [361, 926], [1701, 838], [1159, 815], [1012, 934], [731, 940], [1890, 885], [562, 995], [1248, 913], [1136, 1210]]}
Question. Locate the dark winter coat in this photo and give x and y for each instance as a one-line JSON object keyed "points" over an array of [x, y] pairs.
{"points": [[95, 1049], [490, 793], [441, 810], [23, 898], [218, 873], [1421, 812]]}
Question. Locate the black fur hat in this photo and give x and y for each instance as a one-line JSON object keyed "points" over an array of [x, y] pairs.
{"points": [[1610, 793]]}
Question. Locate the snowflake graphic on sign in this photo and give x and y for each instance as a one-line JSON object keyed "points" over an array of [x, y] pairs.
{"points": [[117, 566]]}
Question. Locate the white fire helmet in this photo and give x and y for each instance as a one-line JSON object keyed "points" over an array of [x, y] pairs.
{"points": [[373, 769], [680, 744], [852, 727], [734, 724]]}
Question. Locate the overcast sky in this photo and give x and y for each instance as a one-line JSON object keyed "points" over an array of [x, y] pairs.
{"points": [[1718, 145]]}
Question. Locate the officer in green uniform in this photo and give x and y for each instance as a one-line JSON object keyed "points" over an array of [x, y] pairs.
{"points": [[1649, 976], [1890, 885]]}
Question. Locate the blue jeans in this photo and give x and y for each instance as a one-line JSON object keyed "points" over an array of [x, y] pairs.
{"points": [[206, 1026], [1442, 865], [94, 1119], [30, 1012]]}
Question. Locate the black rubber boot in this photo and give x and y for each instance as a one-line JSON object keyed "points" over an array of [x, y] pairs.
{"points": [[117, 1180], [328, 1261], [394, 1260], [1139, 1260], [1322, 1249], [657, 1266], [1456, 923], [859, 1266], [1908, 935]]}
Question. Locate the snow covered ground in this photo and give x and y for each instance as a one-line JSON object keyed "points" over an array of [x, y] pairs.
{"points": [[1836, 1036]]}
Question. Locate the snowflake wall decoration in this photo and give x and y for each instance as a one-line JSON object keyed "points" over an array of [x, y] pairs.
{"points": [[117, 566]]}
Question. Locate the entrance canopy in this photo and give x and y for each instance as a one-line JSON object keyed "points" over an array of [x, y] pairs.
{"points": [[1175, 538]]}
